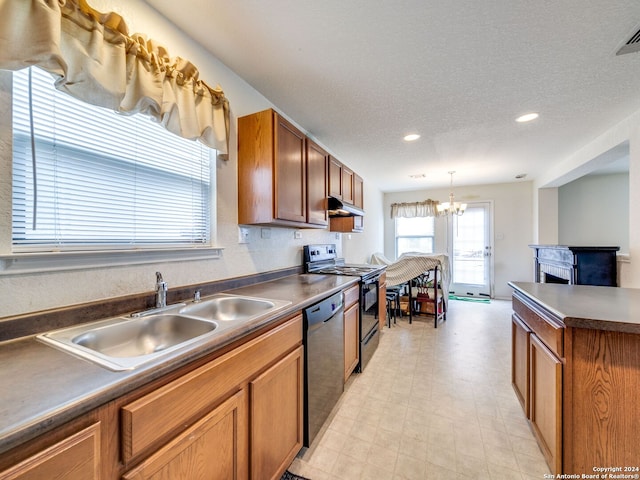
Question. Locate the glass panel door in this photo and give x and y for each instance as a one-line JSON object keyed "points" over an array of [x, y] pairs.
{"points": [[470, 251]]}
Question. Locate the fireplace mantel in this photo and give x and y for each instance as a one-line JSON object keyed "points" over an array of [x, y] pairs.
{"points": [[575, 265]]}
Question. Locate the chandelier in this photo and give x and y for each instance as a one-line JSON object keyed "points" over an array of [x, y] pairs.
{"points": [[451, 207]]}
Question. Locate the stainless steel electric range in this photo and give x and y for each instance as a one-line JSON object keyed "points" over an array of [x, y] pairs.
{"points": [[324, 259]]}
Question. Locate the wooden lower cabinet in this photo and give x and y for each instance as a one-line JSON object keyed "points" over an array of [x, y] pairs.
{"points": [[214, 448], [74, 458], [351, 339], [520, 365], [382, 301], [235, 415], [546, 402], [277, 417], [581, 391]]}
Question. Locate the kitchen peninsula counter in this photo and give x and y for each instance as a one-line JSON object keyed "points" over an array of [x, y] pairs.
{"points": [[576, 373], [42, 388], [586, 306]]}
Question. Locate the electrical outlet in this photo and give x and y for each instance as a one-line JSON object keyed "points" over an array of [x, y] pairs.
{"points": [[243, 235], [265, 232], [297, 235]]}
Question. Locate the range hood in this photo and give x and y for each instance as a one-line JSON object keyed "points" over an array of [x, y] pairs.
{"points": [[339, 209]]}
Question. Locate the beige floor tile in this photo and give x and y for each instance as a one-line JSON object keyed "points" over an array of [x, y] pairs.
{"points": [[410, 468], [436, 472], [382, 457], [472, 467], [504, 457], [374, 472], [333, 439], [496, 438], [532, 464], [323, 459], [432, 404], [347, 468], [498, 472], [413, 448]]}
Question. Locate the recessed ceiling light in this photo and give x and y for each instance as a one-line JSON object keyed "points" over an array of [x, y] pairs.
{"points": [[527, 117], [521, 175], [411, 137]]}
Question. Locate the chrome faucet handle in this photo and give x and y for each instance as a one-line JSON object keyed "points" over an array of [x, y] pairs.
{"points": [[196, 296], [161, 291]]}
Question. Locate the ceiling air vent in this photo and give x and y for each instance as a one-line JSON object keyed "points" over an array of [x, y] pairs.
{"points": [[632, 45]]}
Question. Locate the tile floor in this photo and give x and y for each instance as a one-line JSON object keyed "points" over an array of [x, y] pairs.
{"points": [[432, 404]]}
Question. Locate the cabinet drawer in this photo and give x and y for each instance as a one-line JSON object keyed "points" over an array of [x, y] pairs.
{"points": [[173, 407], [351, 296], [74, 458], [545, 328]]}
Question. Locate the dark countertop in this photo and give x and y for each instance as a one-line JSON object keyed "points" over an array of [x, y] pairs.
{"points": [[585, 306], [42, 388]]}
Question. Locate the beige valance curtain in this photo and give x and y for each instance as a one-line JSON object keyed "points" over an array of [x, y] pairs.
{"points": [[427, 208], [94, 58]]}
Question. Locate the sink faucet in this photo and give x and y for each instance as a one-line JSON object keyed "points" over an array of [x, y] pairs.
{"points": [[161, 291]]}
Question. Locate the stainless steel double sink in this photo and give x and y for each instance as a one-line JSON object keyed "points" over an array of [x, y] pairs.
{"points": [[124, 343]]}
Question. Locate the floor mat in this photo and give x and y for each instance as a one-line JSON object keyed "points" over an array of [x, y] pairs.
{"points": [[469, 299], [290, 476]]}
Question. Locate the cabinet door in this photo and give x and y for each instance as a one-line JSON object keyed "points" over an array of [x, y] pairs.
{"points": [[214, 448], [520, 334], [351, 340], [317, 160], [74, 458], [358, 191], [335, 178], [546, 402], [276, 417], [382, 304], [290, 172], [347, 185]]}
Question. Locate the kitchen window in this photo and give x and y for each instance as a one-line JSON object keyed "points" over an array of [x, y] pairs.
{"points": [[414, 234], [99, 180]]}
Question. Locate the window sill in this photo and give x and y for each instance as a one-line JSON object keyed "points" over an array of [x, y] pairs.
{"points": [[25, 263]]}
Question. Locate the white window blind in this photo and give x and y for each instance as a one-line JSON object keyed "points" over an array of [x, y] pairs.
{"points": [[102, 180], [415, 234]]}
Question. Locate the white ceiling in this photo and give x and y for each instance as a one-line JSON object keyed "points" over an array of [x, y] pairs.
{"points": [[359, 74]]}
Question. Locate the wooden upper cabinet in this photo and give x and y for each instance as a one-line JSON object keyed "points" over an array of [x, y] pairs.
{"points": [[335, 178], [317, 164], [347, 185], [291, 175], [272, 175], [358, 191]]}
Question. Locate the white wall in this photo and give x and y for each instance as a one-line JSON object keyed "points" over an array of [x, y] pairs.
{"points": [[546, 215], [512, 227], [622, 137], [32, 292], [358, 247], [594, 210]]}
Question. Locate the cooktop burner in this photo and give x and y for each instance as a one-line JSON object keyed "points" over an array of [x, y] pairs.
{"points": [[352, 270], [323, 259]]}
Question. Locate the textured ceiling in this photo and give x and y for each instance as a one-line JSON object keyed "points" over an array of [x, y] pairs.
{"points": [[359, 75]]}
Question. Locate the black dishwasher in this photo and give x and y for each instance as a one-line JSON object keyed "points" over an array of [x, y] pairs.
{"points": [[323, 362]]}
